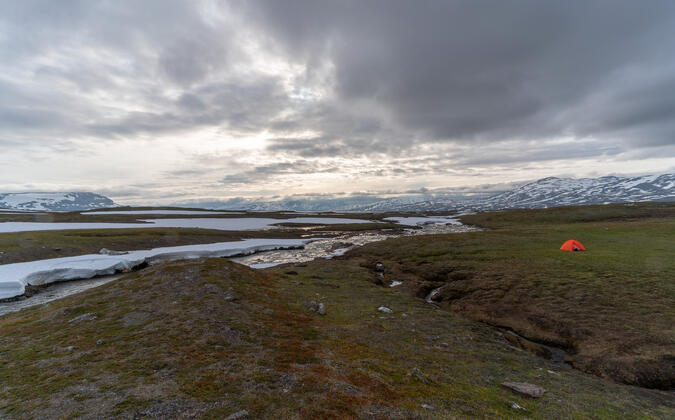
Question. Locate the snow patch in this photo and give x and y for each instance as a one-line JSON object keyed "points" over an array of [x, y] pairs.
{"points": [[15, 277]]}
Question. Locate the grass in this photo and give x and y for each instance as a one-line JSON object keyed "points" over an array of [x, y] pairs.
{"points": [[208, 337], [264, 352], [611, 306]]}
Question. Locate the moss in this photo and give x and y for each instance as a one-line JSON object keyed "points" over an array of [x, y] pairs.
{"points": [[165, 331]]}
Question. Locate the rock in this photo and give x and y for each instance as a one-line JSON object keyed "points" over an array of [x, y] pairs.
{"points": [[417, 374], [379, 267], [517, 406], [231, 298], [71, 348], [427, 406], [135, 318], [241, 414], [321, 309], [99, 342], [385, 310], [524, 388], [318, 307], [84, 317], [106, 251]]}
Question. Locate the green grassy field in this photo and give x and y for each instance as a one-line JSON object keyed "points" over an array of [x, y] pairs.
{"points": [[208, 338], [613, 306]]}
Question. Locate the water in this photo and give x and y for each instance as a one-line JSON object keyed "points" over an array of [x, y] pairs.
{"points": [[319, 248], [338, 245], [55, 291], [430, 296]]}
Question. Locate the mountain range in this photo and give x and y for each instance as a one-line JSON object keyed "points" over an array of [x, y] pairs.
{"points": [[543, 193]]}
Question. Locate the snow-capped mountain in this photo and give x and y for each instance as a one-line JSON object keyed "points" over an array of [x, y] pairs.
{"points": [[69, 201], [551, 192], [546, 192]]}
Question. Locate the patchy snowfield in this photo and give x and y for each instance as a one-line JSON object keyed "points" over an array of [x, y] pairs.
{"points": [[15, 277], [233, 224]]}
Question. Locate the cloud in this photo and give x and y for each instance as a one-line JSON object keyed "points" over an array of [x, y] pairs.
{"points": [[472, 71], [367, 91]]}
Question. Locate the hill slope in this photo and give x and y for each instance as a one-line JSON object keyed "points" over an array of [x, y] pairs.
{"points": [[69, 201], [210, 338]]}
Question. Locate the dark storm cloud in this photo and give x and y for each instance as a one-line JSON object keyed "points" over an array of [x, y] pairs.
{"points": [[395, 75], [489, 70], [69, 64]]}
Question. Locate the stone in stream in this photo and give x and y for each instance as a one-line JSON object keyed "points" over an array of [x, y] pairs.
{"points": [[523, 388]]}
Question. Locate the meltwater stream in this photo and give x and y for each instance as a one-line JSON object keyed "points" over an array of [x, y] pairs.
{"points": [[55, 291], [317, 248]]}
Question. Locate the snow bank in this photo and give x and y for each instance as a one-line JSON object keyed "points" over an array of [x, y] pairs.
{"points": [[417, 221], [15, 277], [235, 224]]}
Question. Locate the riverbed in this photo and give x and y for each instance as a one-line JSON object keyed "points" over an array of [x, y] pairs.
{"points": [[314, 247]]}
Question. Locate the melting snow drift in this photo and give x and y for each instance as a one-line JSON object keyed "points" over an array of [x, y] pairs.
{"points": [[15, 277]]}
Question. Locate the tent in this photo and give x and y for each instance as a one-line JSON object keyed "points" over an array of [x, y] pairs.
{"points": [[572, 245]]}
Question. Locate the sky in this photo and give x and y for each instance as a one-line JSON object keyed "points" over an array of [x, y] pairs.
{"points": [[163, 101]]}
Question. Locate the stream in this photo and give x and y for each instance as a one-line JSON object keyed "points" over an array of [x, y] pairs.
{"points": [[55, 291], [318, 248]]}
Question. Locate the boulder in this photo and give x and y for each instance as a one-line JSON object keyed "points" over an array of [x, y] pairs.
{"points": [[321, 310], [84, 317], [523, 388], [318, 307]]}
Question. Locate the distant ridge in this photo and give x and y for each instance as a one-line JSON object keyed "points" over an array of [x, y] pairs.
{"points": [[552, 192], [546, 192], [48, 201]]}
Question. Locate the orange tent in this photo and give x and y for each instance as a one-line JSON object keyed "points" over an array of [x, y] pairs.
{"points": [[572, 245]]}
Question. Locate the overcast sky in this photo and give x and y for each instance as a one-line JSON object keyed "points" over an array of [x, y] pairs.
{"points": [[162, 101]]}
